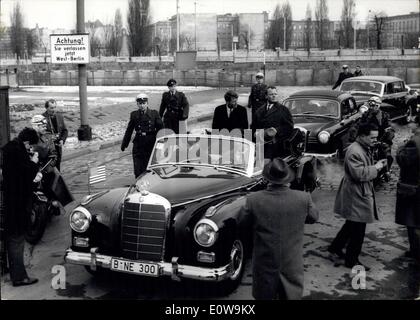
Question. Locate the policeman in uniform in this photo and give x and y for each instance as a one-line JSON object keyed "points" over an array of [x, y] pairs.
{"points": [[176, 105], [146, 123], [258, 96]]}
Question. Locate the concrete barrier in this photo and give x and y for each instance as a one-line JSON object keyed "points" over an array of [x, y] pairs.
{"points": [[58, 77], [377, 71], [322, 77], [285, 77], [413, 75], [397, 72], [304, 77]]}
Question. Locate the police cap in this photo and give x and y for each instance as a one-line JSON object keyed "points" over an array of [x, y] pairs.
{"points": [[259, 75], [142, 97], [171, 82]]}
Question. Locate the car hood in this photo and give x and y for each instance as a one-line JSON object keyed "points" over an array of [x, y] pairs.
{"points": [[361, 97], [181, 184], [313, 124]]}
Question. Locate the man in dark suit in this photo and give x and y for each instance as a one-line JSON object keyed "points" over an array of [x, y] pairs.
{"points": [[146, 122], [230, 115], [20, 169], [343, 75], [57, 127], [277, 122], [176, 105], [278, 215]]}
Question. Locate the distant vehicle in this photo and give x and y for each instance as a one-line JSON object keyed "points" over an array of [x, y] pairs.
{"points": [[397, 100], [327, 115], [182, 216]]}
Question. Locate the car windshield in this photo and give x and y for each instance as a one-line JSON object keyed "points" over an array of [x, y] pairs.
{"points": [[310, 106], [363, 86], [221, 152]]}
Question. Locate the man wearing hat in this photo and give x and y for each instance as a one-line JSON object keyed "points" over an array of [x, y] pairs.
{"points": [[343, 75], [146, 123], [174, 107], [278, 215], [258, 96]]}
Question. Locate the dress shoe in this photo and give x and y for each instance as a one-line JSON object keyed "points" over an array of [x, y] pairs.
{"points": [[357, 263], [25, 282], [338, 253]]}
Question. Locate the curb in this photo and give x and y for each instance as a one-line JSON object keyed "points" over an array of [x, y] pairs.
{"points": [[109, 144]]}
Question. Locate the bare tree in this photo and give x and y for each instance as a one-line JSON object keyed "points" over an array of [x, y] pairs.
{"points": [[114, 35], [31, 43], [308, 27], [245, 36], [138, 20], [346, 23], [94, 41], [378, 23], [321, 17], [17, 31], [275, 32], [287, 14], [186, 41]]}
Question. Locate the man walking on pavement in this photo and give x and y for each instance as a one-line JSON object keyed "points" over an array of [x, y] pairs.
{"points": [[20, 170], [258, 96], [174, 107], [278, 215], [343, 75], [358, 72], [355, 199], [230, 115], [277, 122], [146, 123], [57, 127]]}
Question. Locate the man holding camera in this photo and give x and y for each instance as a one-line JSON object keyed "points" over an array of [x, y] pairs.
{"points": [[57, 127], [355, 200]]}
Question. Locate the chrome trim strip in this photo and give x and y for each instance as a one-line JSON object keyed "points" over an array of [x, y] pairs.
{"points": [[321, 155], [172, 269]]}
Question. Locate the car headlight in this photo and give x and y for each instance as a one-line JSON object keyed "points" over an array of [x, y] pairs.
{"points": [[80, 219], [363, 109], [205, 232], [323, 137]]}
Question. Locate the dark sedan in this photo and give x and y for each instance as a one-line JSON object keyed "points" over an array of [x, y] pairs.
{"points": [[327, 115], [396, 98]]}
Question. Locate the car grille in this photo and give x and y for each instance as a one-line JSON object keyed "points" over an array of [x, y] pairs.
{"points": [[143, 231], [313, 140]]}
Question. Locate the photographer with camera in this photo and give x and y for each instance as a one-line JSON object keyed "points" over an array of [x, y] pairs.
{"points": [[57, 127], [20, 170]]}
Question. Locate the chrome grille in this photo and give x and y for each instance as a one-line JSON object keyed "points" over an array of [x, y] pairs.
{"points": [[313, 140], [143, 231]]}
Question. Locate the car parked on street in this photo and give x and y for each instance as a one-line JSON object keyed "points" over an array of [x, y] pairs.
{"points": [[327, 116], [397, 100], [181, 218]]}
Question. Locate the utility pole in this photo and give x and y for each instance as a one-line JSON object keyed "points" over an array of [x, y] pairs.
{"points": [[84, 133], [177, 25], [284, 33], [195, 25], [368, 40]]}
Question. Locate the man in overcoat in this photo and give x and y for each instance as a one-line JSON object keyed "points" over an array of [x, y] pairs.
{"points": [[355, 199], [342, 76], [407, 211], [278, 215], [56, 126], [19, 170], [277, 122], [146, 123], [174, 107], [230, 115]]}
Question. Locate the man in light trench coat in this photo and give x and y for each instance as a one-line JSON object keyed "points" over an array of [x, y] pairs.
{"points": [[355, 200], [278, 215]]}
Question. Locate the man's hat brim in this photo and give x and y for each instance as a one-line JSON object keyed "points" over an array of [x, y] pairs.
{"points": [[288, 176]]}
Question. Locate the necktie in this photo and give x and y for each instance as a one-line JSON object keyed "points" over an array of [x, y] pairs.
{"points": [[269, 107]]}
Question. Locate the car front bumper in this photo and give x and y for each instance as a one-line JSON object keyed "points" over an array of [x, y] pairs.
{"points": [[172, 269]]}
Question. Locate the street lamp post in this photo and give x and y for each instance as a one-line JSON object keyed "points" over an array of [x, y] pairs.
{"points": [[284, 33], [177, 25], [195, 25], [367, 25]]}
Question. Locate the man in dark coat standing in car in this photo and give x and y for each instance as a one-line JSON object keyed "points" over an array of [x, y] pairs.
{"points": [[19, 170], [230, 115], [146, 123], [278, 215], [277, 122], [174, 107], [342, 76]]}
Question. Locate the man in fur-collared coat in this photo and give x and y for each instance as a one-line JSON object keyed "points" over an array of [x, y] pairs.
{"points": [[278, 215]]}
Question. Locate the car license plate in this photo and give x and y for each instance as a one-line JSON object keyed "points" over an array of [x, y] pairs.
{"points": [[147, 269]]}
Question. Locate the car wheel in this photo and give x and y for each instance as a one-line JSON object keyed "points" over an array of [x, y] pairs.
{"points": [[237, 262], [37, 222]]}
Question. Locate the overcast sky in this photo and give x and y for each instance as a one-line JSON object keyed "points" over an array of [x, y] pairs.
{"points": [[62, 13]]}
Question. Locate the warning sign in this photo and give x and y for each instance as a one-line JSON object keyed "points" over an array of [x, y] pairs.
{"points": [[70, 48]]}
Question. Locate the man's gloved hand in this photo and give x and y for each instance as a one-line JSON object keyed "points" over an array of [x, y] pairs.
{"points": [[38, 177], [122, 148], [270, 132], [35, 157]]}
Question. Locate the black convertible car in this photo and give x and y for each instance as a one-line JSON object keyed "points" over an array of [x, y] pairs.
{"points": [[327, 116], [181, 218]]}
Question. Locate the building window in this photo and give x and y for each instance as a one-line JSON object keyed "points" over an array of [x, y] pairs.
{"points": [[294, 27]]}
